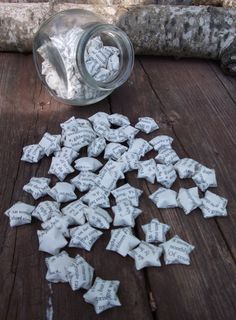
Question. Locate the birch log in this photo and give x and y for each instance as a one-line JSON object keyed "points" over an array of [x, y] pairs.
{"points": [[219, 3], [180, 31]]}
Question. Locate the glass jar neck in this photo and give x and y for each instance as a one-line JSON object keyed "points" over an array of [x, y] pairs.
{"points": [[115, 37]]}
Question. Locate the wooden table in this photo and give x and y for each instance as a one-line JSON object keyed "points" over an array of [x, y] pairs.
{"points": [[194, 103]]}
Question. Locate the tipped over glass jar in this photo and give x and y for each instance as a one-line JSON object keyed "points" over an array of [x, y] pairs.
{"points": [[79, 58]]}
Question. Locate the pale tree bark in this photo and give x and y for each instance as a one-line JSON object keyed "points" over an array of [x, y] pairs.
{"points": [[180, 31], [220, 3]]}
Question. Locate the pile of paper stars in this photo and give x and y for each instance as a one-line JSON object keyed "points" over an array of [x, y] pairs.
{"points": [[79, 223]]}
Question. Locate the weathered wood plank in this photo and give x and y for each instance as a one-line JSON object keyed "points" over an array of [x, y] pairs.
{"points": [[171, 92], [26, 112]]}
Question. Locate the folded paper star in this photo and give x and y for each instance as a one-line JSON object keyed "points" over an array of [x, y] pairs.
{"points": [[67, 154], [140, 147], [122, 241], [46, 209], [63, 192], [60, 168], [19, 214], [186, 167], [57, 267], [84, 236], [188, 199], [84, 181], [106, 180], [61, 222], [147, 170], [114, 151], [146, 124], [51, 240], [146, 255], [103, 295], [96, 197], [76, 210], [37, 187], [204, 178], [164, 198], [213, 205], [32, 153], [87, 164], [176, 251], [127, 192], [161, 142], [96, 147], [118, 119], [130, 160], [98, 218], [50, 143], [167, 156], [165, 175], [125, 214], [155, 231], [80, 274]]}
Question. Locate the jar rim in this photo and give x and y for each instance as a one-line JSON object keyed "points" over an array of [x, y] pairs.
{"points": [[120, 78]]}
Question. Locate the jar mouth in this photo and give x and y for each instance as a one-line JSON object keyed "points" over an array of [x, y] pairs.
{"points": [[126, 56]]}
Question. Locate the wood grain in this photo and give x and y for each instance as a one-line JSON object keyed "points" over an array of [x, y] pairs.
{"points": [[190, 105], [192, 102], [27, 111]]}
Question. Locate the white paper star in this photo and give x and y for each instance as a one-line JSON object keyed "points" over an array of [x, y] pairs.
{"points": [[127, 192], [146, 255], [51, 240], [96, 147], [96, 197], [186, 167], [63, 192], [60, 168], [32, 153], [46, 209], [213, 205], [155, 231], [19, 214], [103, 295], [80, 274], [37, 187], [146, 124], [67, 154], [176, 251], [165, 175], [122, 241], [57, 267], [87, 164], [204, 178], [164, 198], [147, 170], [125, 214], [84, 181], [50, 143], [98, 218], [161, 142], [140, 147], [84, 236], [61, 222], [167, 156], [76, 210], [188, 199]]}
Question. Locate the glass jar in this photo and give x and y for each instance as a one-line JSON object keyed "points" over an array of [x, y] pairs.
{"points": [[79, 58]]}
